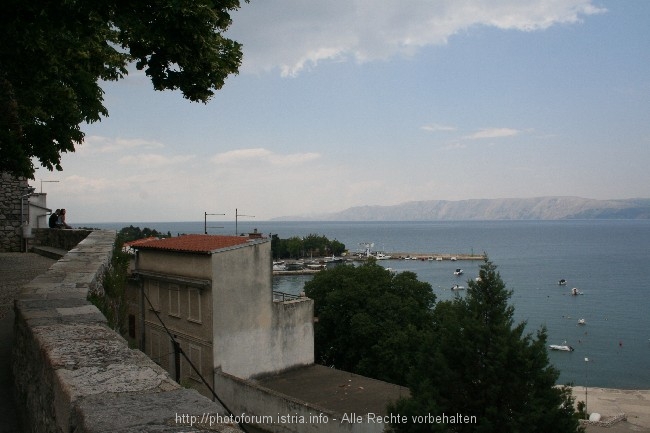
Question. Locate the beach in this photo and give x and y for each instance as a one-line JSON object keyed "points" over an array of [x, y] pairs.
{"points": [[610, 403]]}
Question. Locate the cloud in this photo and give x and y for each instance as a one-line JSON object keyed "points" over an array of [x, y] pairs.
{"points": [[263, 156], [435, 127], [297, 35], [493, 133], [109, 145], [154, 160]]}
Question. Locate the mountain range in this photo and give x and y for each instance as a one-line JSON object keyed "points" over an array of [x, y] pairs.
{"points": [[538, 208]]}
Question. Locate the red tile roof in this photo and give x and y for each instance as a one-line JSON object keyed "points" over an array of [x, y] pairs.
{"points": [[193, 243]]}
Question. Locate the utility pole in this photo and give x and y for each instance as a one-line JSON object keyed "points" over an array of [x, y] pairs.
{"points": [[237, 215], [205, 222]]}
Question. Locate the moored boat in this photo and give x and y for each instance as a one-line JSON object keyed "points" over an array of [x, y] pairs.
{"points": [[561, 347]]}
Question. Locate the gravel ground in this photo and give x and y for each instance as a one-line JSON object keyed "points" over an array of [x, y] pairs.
{"points": [[16, 270]]}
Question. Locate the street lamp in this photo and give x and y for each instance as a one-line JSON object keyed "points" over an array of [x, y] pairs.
{"points": [[586, 371], [237, 215]]}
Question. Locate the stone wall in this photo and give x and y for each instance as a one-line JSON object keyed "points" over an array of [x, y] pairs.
{"points": [[74, 375], [58, 238], [11, 189]]}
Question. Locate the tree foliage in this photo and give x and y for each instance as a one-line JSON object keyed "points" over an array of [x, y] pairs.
{"points": [[477, 362], [370, 321], [54, 54], [312, 245], [130, 233]]}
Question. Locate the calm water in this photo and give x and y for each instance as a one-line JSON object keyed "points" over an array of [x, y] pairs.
{"points": [[606, 260]]}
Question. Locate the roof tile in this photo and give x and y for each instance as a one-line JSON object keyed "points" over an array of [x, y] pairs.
{"points": [[194, 243]]}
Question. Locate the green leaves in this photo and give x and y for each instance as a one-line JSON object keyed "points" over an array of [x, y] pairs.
{"points": [[370, 321], [54, 54], [477, 362]]}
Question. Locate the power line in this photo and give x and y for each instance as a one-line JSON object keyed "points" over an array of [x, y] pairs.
{"points": [[180, 349]]}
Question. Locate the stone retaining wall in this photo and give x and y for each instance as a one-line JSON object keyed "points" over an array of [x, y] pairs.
{"points": [[74, 375], [11, 190]]}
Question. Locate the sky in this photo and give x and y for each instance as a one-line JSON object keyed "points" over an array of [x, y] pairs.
{"points": [[378, 102]]}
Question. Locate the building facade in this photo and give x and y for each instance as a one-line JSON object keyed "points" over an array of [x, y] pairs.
{"points": [[214, 295]]}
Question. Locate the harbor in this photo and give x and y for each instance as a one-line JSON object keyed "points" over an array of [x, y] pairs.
{"points": [[313, 266]]}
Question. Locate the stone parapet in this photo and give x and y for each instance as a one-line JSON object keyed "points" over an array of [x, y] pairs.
{"points": [[11, 210], [64, 239], [72, 373]]}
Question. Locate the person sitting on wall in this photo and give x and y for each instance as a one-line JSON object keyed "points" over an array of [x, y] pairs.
{"points": [[61, 223], [54, 219]]}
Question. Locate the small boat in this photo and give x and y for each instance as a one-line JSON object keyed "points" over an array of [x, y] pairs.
{"points": [[453, 259], [458, 271], [582, 322], [561, 347], [438, 259], [332, 259], [382, 256], [562, 282], [295, 266], [279, 266], [575, 292], [457, 287]]}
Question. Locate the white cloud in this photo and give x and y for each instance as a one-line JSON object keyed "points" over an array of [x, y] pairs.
{"points": [[109, 144], [493, 133], [297, 35], [435, 127], [263, 156], [154, 160]]}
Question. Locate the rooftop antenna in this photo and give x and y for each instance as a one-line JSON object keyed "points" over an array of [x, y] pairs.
{"points": [[237, 215], [205, 222]]}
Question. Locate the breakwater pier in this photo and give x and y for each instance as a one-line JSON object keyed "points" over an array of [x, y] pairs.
{"points": [[315, 265]]}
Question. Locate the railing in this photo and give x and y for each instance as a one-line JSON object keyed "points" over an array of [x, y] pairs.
{"points": [[282, 297]]}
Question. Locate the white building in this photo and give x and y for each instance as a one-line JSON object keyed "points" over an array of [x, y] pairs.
{"points": [[214, 293]]}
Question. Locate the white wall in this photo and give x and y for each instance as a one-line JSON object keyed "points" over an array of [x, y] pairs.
{"points": [[252, 334]]}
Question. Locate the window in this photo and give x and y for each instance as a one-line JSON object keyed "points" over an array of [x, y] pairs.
{"points": [[131, 326], [155, 352], [194, 305], [195, 357], [174, 300], [153, 293]]}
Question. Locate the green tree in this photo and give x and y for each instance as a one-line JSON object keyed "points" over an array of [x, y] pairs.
{"points": [[130, 233], [53, 55], [370, 321], [476, 362]]}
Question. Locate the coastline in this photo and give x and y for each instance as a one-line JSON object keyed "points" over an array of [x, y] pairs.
{"points": [[610, 402]]}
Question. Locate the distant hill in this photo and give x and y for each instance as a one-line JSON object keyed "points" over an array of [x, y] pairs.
{"points": [[539, 208]]}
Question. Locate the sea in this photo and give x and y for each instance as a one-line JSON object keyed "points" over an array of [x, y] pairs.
{"points": [[606, 260]]}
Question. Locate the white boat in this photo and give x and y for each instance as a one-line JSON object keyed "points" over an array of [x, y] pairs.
{"points": [[575, 292], [382, 256], [332, 259], [582, 322], [457, 287], [561, 347], [438, 259], [562, 282], [458, 271], [279, 266], [453, 259]]}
